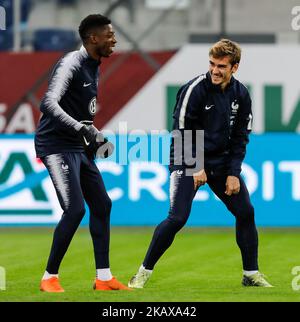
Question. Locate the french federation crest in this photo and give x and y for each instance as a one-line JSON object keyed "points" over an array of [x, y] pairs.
{"points": [[234, 107]]}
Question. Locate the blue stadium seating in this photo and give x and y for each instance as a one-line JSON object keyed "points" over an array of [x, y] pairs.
{"points": [[54, 40], [6, 40], [8, 6]]}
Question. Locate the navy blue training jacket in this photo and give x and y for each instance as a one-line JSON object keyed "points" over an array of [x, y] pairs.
{"points": [[70, 99], [225, 116]]}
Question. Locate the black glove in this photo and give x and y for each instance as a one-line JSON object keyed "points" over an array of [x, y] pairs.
{"points": [[87, 135], [95, 144]]}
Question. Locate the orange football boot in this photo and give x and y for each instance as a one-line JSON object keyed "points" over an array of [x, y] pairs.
{"points": [[111, 285], [51, 285]]}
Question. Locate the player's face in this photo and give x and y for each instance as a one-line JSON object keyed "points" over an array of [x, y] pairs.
{"points": [[221, 70], [105, 41]]}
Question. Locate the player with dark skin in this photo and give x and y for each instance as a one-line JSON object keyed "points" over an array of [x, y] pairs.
{"points": [[100, 42], [67, 142]]}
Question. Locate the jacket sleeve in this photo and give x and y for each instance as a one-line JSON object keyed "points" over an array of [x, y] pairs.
{"points": [[240, 136], [58, 85]]}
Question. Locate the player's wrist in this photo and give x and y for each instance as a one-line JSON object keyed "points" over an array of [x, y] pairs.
{"points": [[233, 173]]}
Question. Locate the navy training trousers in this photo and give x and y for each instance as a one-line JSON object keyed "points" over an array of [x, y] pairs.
{"points": [[181, 197], [77, 179]]}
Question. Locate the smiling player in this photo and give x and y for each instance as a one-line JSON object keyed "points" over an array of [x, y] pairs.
{"points": [[66, 141], [221, 106]]}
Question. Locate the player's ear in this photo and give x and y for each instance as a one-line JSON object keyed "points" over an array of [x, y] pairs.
{"points": [[235, 67], [93, 38]]}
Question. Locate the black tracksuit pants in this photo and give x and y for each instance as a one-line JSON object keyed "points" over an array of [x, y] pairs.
{"points": [[181, 196], [77, 179]]}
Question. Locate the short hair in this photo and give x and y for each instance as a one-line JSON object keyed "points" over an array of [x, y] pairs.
{"points": [[226, 47], [91, 22]]}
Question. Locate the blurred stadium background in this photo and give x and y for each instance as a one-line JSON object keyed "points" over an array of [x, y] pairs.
{"points": [[161, 45]]}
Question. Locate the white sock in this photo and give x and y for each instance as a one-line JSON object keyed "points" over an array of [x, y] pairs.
{"points": [[47, 275], [142, 268], [104, 274], [249, 273]]}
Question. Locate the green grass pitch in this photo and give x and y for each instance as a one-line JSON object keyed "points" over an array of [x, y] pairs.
{"points": [[201, 265]]}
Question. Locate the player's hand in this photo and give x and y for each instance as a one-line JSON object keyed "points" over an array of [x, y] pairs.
{"points": [[88, 134], [200, 178], [232, 185], [95, 144]]}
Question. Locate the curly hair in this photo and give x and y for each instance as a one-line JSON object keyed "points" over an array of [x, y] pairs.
{"points": [[91, 22]]}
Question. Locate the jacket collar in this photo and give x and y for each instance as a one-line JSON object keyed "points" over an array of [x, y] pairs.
{"points": [[218, 87], [88, 57]]}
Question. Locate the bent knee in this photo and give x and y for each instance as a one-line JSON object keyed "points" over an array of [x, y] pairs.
{"points": [[77, 212], [177, 221], [102, 207], [245, 213]]}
